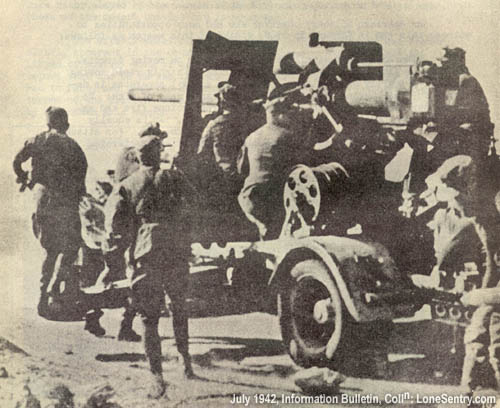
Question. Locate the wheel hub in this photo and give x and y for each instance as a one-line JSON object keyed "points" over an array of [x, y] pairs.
{"points": [[313, 314], [324, 311]]}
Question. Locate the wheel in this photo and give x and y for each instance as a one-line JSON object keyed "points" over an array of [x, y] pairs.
{"points": [[310, 192], [312, 318], [301, 199]]}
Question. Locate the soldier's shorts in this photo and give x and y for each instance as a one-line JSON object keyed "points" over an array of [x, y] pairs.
{"points": [[91, 263], [148, 296], [56, 221], [149, 292], [263, 206], [161, 267]]}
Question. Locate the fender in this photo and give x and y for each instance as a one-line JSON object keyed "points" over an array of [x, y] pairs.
{"points": [[288, 251], [306, 250], [355, 266]]}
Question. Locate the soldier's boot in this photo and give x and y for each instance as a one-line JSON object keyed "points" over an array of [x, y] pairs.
{"points": [[477, 371], [188, 368], [158, 387], [180, 323], [152, 347], [497, 378], [127, 333], [92, 324], [43, 305], [65, 271], [47, 271], [495, 362], [69, 273], [474, 366], [43, 301]]}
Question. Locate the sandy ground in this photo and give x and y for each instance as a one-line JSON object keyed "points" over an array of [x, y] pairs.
{"points": [[232, 355]]}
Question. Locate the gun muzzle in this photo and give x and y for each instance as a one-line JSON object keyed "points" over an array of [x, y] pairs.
{"points": [[352, 64]]}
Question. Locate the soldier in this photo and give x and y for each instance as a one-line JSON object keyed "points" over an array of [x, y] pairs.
{"points": [[223, 137], [115, 259], [455, 183], [213, 115], [149, 207], [483, 333], [267, 157], [218, 150], [465, 106], [58, 175], [99, 264], [460, 118], [128, 160]]}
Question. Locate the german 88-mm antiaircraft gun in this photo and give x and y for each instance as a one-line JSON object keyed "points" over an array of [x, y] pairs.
{"points": [[345, 262], [350, 254]]}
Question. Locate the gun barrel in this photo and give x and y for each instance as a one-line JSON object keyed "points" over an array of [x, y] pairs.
{"points": [[155, 95], [382, 64], [416, 295]]}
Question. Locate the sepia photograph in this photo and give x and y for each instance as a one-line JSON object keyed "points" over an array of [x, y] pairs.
{"points": [[230, 203]]}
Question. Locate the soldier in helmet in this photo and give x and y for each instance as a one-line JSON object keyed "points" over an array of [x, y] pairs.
{"points": [[464, 108], [58, 175], [128, 160], [459, 121], [454, 183], [218, 150], [213, 115], [150, 208], [222, 138]]}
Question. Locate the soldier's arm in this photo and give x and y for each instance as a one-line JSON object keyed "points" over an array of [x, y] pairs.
{"points": [[243, 166], [114, 213], [127, 163], [221, 154], [80, 169], [480, 297], [84, 168], [204, 146], [24, 154], [471, 101], [414, 135]]}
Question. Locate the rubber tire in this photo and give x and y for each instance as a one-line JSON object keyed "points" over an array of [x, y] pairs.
{"points": [[303, 351]]}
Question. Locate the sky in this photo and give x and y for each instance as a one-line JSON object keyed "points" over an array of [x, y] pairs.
{"points": [[85, 55]]}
